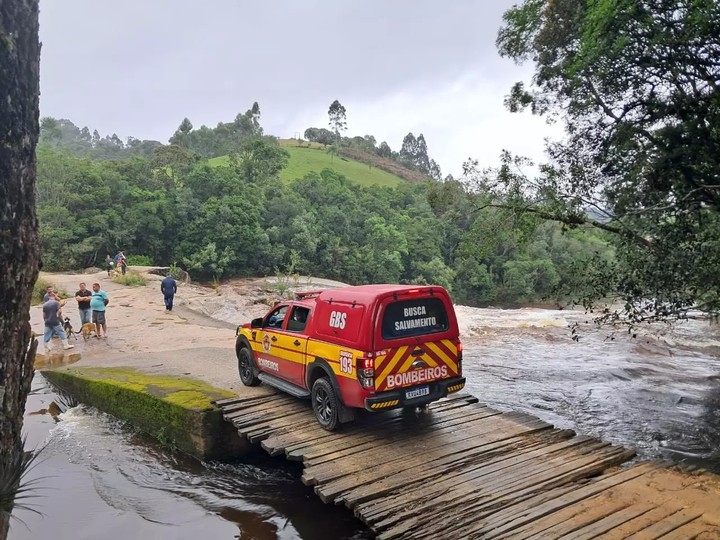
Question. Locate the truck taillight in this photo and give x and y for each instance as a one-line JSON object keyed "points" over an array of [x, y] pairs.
{"points": [[459, 356], [366, 372]]}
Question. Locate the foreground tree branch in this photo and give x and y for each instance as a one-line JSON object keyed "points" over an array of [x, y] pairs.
{"points": [[573, 220], [19, 247]]}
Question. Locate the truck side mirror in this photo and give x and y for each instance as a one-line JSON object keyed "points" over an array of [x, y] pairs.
{"points": [[256, 323]]}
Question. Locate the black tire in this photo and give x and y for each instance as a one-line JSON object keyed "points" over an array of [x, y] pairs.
{"points": [[246, 367], [326, 404]]}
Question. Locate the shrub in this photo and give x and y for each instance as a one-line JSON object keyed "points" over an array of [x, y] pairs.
{"points": [[139, 260], [131, 279], [174, 272]]}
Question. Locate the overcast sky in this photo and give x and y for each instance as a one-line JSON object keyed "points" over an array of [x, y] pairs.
{"points": [[138, 67]]}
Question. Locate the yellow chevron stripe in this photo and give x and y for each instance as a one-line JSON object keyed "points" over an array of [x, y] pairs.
{"points": [[390, 364]]}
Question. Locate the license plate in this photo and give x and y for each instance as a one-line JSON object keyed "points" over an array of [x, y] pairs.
{"points": [[417, 392]]}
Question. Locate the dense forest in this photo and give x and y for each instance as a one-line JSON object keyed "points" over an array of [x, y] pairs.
{"points": [[166, 204]]}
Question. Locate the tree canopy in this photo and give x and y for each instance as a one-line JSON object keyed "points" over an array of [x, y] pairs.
{"points": [[635, 83], [239, 219]]}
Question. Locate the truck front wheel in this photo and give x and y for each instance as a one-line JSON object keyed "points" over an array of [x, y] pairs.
{"points": [[246, 368], [325, 404]]}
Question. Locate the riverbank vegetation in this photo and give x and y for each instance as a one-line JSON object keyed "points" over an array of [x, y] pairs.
{"points": [[635, 85]]}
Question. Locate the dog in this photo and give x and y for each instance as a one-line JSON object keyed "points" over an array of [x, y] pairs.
{"points": [[67, 326], [87, 330]]}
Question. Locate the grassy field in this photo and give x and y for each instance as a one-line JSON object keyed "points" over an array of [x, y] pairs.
{"points": [[304, 159]]}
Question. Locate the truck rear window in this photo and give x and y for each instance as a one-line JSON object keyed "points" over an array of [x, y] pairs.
{"points": [[415, 317]]}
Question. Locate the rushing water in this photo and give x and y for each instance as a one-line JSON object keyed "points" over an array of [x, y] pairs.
{"points": [[96, 478], [659, 394]]}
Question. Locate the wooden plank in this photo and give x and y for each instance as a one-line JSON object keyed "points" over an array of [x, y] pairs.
{"points": [[641, 522], [567, 519], [666, 526], [234, 403], [398, 445], [550, 501], [474, 475], [331, 452], [392, 481], [598, 527], [271, 409], [464, 510], [362, 470]]}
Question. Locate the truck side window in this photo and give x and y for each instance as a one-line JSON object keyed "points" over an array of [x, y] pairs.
{"points": [[276, 318], [298, 319]]}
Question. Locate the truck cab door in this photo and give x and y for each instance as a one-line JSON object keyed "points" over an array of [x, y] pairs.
{"points": [[293, 342], [268, 355]]}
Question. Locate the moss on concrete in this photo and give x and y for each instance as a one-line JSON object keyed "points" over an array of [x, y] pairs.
{"points": [[177, 411]]}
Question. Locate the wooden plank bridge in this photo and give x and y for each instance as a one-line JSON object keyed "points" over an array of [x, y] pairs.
{"points": [[463, 470]]}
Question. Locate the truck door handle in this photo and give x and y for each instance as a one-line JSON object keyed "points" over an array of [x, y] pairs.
{"points": [[296, 342], [273, 338]]}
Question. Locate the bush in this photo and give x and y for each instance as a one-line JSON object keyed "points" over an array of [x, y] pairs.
{"points": [[174, 272], [40, 288], [131, 279], [140, 260]]}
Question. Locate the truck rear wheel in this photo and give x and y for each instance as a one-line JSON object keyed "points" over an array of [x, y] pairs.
{"points": [[246, 368], [325, 404]]}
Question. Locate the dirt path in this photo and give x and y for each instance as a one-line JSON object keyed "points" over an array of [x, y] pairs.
{"points": [[143, 335]]}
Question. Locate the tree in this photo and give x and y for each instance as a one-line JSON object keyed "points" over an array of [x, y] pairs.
{"points": [[319, 135], [255, 117], [414, 153], [19, 248], [181, 135], [185, 126], [338, 120], [636, 85], [384, 150]]}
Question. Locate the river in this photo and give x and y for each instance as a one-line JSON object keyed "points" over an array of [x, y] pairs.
{"points": [[97, 478]]}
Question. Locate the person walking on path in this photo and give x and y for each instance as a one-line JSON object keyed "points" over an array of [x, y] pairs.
{"points": [[83, 297], [53, 322], [168, 287], [109, 264], [121, 261], [98, 301]]}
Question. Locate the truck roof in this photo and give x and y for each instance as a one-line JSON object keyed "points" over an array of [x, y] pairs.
{"points": [[362, 294]]}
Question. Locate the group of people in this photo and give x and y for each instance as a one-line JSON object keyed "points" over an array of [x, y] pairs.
{"points": [[91, 307], [119, 261]]}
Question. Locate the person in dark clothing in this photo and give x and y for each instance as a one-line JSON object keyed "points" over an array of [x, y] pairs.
{"points": [[109, 264], [53, 322], [83, 297], [168, 287]]}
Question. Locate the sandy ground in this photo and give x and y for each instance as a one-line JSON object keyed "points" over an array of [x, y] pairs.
{"points": [[143, 335]]}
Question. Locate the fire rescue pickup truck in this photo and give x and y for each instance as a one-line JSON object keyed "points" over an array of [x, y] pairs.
{"points": [[374, 347]]}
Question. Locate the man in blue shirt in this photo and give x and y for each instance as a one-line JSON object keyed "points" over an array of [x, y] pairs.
{"points": [[53, 324], [98, 301], [168, 287]]}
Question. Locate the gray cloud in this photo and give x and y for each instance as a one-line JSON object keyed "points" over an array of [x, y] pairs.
{"points": [[138, 67]]}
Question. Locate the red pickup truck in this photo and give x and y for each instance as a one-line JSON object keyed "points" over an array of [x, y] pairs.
{"points": [[375, 347]]}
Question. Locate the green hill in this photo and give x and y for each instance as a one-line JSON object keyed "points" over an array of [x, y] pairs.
{"points": [[312, 157]]}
